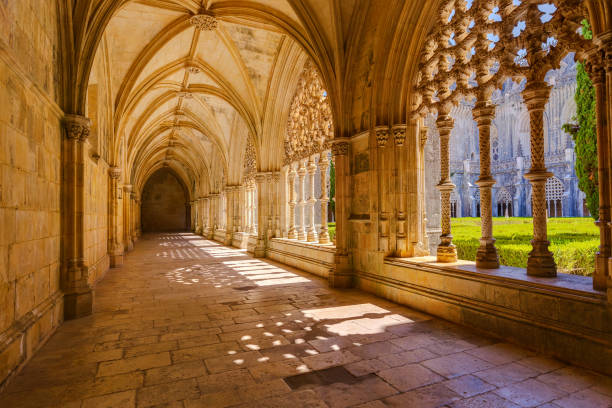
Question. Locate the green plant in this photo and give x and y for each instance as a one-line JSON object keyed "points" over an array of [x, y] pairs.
{"points": [[331, 230], [574, 241], [584, 133]]}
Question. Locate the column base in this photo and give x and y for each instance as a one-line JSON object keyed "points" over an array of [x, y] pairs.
{"points": [[260, 249], [447, 253], [302, 236], [78, 304], [541, 261], [487, 256], [292, 234], [228, 239], [312, 236], [324, 238], [341, 276], [116, 260]]}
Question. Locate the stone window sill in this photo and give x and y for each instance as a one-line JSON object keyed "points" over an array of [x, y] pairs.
{"points": [[572, 285], [316, 245]]}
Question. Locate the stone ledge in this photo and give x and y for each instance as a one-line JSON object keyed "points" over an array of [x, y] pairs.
{"points": [[576, 285], [557, 318], [317, 259], [17, 343]]}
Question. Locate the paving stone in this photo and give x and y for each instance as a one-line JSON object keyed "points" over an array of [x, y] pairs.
{"points": [[455, 365], [409, 376], [126, 399], [150, 342], [431, 396], [529, 393], [468, 386]]}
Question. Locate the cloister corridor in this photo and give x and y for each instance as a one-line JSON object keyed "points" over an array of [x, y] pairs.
{"points": [[187, 322]]}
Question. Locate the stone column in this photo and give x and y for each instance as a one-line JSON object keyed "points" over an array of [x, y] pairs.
{"points": [[486, 256], [323, 167], [262, 227], [212, 217], [276, 179], [422, 225], [311, 231], [127, 215], [406, 192], [540, 261], [301, 206], [341, 276], [253, 216], [205, 216], [74, 269], [382, 136], [292, 230], [229, 215], [115, 243], [134, 216], [447, 252], [138, 217], [601, 76]]}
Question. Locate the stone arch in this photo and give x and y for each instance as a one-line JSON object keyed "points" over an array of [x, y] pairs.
{"points": [[165, 202]]}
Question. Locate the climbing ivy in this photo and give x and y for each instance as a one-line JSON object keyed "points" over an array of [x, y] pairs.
{"points": [[584, 133]]}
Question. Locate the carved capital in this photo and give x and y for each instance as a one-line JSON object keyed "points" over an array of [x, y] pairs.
{"points": [[536, 95], [114, 172], [382, 135], [340, 148], [77, 127], [399, 134], [127, 188]]}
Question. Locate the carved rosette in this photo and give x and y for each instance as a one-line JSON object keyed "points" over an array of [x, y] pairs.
{"points": [[309, 126], [204, 22]]}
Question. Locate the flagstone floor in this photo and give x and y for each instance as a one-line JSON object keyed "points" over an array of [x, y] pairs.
{"points": [[187, 322]]}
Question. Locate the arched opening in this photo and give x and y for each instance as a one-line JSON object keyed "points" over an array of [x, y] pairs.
{"points": [[165, 203]]}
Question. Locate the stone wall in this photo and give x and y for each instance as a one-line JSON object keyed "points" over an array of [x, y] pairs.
{"points": [[96, 219], [164, 203], [30, 150]]}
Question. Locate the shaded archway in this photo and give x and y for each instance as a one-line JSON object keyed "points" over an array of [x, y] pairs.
{"points": [[165, 203]]}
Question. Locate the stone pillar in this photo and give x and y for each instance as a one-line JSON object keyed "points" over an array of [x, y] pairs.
{"points": [[447, 252], [540, 261], [276, 179], [601, 76], [301, 205], [292, 230], [134, 216], [229, 215], [115, 243], [240, 222], [311, 231], [382, 136], [405, 193], [423, 248], [253, 216], [341, 276], [127, 212], [74, 269], [262, 227], [323, 167], [205, 216], [138, 217], [486, 256], [212, 215]]}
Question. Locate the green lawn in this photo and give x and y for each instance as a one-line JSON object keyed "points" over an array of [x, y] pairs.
{"points": [[574, 241]]}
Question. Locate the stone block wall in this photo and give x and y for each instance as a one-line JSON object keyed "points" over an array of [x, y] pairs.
{"points": [[96, 219], [30, 150]]}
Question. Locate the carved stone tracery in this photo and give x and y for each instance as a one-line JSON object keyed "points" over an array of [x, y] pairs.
{"points": [[310, 126]]}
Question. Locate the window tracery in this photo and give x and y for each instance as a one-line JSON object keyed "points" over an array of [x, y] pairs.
{"points": [[310, 126]]}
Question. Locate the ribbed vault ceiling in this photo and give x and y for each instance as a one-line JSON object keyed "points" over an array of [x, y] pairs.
{"points": [[185, 97]]}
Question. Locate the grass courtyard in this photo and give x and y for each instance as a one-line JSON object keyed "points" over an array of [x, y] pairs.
{"points": [[574, 241]]}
